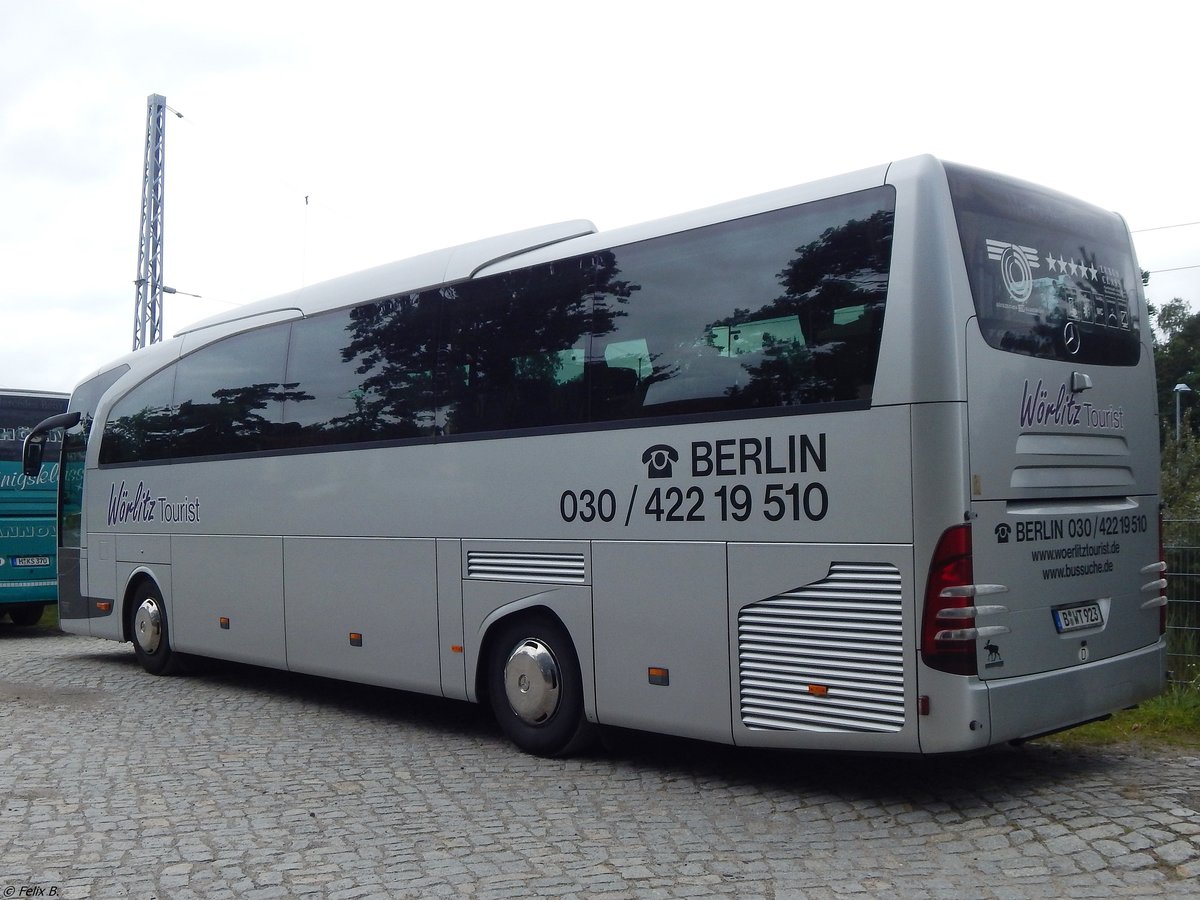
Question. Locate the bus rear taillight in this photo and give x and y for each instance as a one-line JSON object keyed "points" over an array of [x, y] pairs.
{"points": [[947, 627], [948, 630]]}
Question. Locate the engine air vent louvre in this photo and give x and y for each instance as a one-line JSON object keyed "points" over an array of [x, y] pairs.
{"points": [[826, 657], [552, 568]]}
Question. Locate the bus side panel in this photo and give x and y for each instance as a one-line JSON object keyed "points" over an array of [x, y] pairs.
{"points": [[662, 659], [820, 635], [112, 627], [134, 554], [238, 579], [500, 579], [382, 591], [959, 715], [72, 591], [486, 604], [101, 565], [453, 662]]}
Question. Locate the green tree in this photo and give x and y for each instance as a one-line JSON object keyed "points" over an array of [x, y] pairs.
{"points": [[1181, 471], [1176, 355], [1177, 361]]}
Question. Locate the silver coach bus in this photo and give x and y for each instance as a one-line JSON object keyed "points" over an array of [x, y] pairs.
{"points": [[867, 464]]}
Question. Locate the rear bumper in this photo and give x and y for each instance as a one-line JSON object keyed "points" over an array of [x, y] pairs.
{"points": [[1050, 701], [41, 591]]}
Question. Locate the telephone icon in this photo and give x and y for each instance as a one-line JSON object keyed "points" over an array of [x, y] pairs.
{"points": [[659, 459]]}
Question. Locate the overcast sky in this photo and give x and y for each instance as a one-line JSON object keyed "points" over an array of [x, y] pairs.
{"points": [[414, 126]]}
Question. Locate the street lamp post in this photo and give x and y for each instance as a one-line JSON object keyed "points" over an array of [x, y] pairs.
{"points": [[1179, 390]]}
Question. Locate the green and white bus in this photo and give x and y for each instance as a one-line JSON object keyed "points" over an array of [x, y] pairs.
{"points": [[866, 464], [28, 542]]}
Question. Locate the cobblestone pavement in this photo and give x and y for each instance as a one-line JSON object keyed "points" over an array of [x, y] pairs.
{"points": [[241, 782]]}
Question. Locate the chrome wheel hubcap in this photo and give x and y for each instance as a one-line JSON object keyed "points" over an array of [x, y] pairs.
{"points": [[532, 682], [147, 625]]}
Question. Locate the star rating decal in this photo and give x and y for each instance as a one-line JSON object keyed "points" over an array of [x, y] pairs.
{"points": [[1071, 267]]}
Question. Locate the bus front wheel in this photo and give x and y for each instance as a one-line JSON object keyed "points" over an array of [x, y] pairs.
{"points": [[151, 636], [535, 689]]}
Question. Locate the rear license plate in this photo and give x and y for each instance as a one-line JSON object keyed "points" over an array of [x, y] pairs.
{"points": [[1074, 618], [31, 561]]}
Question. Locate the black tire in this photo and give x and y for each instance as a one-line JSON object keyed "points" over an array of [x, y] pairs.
{"points": [[535, 689], [26, 614], [149, 632]]}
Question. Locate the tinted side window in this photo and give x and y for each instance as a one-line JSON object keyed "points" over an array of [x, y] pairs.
{"points": [[362, 374], [774, 311], [140, 425], [780, 309], [514, 349], [229, 395]]}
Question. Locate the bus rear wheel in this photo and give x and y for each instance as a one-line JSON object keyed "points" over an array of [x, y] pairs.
{"points": [[26, 614], [535, 688], [149, 631]]}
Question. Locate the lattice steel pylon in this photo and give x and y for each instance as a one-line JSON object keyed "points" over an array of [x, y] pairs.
{"points": [[147, 312]]}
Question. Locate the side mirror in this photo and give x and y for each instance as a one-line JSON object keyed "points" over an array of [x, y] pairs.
{"points": [[32, 453], [34, 448]]}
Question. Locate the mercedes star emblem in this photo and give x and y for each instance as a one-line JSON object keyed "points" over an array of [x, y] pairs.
{"points": [[1071, 338]]}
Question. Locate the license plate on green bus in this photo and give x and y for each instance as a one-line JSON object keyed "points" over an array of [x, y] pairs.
{"points": [[31, 561], [1075, 618]]}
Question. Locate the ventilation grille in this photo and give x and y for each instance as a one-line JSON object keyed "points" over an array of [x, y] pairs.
{"points": [[1071, 460], [557, 568], [826, 657]]}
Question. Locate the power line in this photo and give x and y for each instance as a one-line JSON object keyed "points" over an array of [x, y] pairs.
{"points": [[1164, 227], [1176, 269]]}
